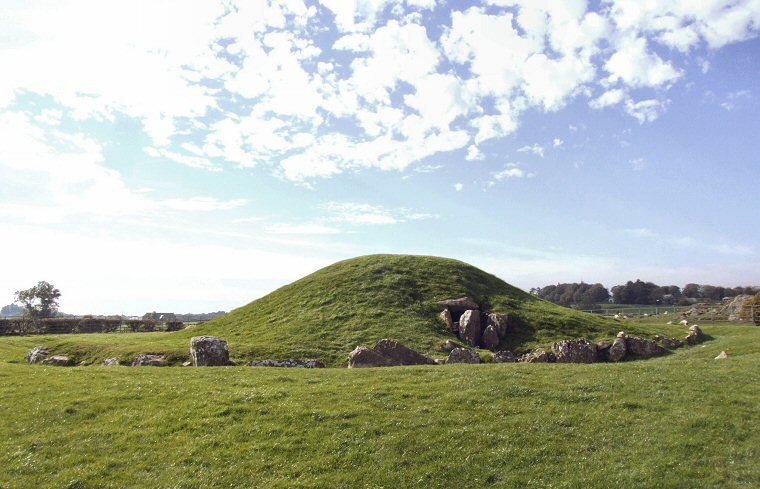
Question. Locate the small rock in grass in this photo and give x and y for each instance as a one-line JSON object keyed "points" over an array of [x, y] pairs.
{"points": [[463, 355], [722, 356], [110, 362]]}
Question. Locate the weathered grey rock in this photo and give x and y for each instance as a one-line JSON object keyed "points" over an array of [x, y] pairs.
{"points": [[110, 362], [695, 335], [618, 350], [490, 338], [440, 361], [363, 356], [463, 355], [148, 360], [209, 351], [643, 347], [578, 350], [734, 308], [504, 356], [722, 356], [289, 363], [671, 343], [58, 361], [469, 327], [401, 354], [37, 354], [500, 322], [447, 320], [535, 356], [459, 304], [602, 348], [187, 364], [448, 346]]}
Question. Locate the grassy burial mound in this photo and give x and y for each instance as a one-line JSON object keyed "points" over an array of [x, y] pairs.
{"points": [[361, 300], [354, 302]]}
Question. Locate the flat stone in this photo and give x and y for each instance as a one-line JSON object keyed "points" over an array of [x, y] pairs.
{"points": [[110, 362], [289, 363], [37, 354], [504, 356], [535, 356], [459, 304], [578, 350], [401, 354], [58, 361], [148, 360], [362, 357], [643, 347], [463, 355]]}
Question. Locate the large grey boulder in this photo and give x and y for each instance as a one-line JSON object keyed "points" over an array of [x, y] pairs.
{"points": [[463, 355], [459, 304], [500, 323], [579, 350], [448, 346], [671, 343], [695, 335], [209, 351], [148, 360], [58, 361], [363, 356], [734, 308], [401, 354], [643, 347], [469, 327], [289, 363], [535, 356], [447, 320], [37, 354], [619, 348], [490, 339], [504, 356]]}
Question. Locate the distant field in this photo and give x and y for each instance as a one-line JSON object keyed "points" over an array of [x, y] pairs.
{"points": [[683, 420]]}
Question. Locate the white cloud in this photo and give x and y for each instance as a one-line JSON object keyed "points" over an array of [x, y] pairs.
{"points": [[458, 187], [733, 98], [474, 153], [557, 142], [204, 204], [638, 164], [285, 228], [536, 149], [635, 66], [645, 110], [366, 214], [608, 98]]}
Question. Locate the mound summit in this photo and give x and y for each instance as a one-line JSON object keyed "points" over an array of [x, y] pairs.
{"points": [[358, 301]]}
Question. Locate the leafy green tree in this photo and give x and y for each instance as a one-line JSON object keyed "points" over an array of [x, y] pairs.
{"points": [[40, 301]]}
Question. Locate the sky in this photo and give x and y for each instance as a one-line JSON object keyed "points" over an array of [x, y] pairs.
{"points": [[192, 157]]}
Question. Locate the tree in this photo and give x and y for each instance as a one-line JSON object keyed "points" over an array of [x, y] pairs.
{"points": [[40, 301]]}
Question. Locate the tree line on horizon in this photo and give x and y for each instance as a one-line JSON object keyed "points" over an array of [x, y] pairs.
{"points": [[635, 292]]}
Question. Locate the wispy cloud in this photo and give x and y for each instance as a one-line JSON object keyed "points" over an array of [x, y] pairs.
{"points": [[366, 214], [536, 149]]}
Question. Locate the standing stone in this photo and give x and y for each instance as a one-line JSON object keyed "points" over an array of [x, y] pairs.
{"points": [[500, 322], [618, 350], [695, 335], [209, 351], [447, 320], [504, 356], [575, 351], [643, 347], [363, 356], [401, 354], [463, 355], [490, 339], [148, 360], [37, 354], [469, 327]]}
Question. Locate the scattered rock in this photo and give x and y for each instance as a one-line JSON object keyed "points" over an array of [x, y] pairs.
{"points": [[500, 323], [536, 356], [504, 356], [446, 318], [110, 362], [578, 350], [643, 347], [146, 359], [463, 355], [469, 327], [671, 343], [209, 351], [37, 354], [490, 339], [618, 350], [734, 308], [460, 304], [440, 361], [289, 363], [363, 356], [683, 322], [448, 346], [722, 356], [58, 361], [695, 335], [187, 364], [401, 354]]}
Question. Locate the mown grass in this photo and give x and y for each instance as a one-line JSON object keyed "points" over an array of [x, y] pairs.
{"points": [[359, 301], [683, 420]]}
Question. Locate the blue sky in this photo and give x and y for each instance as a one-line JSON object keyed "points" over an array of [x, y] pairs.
{"points": [[162, 156]]}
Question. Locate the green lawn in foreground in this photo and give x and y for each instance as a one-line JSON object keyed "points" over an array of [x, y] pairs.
{"points": [[683, 420]]}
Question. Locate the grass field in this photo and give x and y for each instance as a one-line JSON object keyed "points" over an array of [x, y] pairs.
{"points": [[684, 420]]}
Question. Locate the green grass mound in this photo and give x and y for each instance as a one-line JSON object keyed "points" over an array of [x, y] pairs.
{"points": [[327, 314]]}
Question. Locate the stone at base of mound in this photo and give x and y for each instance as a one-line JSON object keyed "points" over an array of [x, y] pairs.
{"points": [[209, 351], [37, 354], [148, 360], [504, 356], [401, 354], [575, 351], [463, 355], [362, 357], [289, 363], [58, 361], [536, 356], [643, 347], [110, 362]]}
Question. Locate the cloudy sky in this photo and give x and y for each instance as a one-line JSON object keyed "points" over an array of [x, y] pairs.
{"points": [[189, 157]]}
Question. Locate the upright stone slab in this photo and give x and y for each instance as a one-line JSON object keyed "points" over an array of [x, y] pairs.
{"points": [[490, 339], [500, 323], [619, 349], [447, 320], [469, 327], [209, 351]]}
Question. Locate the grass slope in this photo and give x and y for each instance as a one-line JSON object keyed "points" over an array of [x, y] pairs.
{"points": [[358, 301], [680, 421]]}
